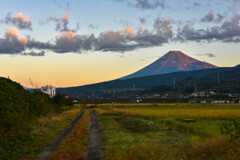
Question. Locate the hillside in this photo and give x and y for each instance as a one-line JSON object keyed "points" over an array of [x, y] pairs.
{"points": [[173, 61], [228, 81], [138, 83]]}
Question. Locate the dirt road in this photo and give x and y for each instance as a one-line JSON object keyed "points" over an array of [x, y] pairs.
{"points": [[52, 148], [95, 146]]}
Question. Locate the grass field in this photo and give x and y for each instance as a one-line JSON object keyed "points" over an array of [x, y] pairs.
{"points": [[45, 130], [73, 147], [168, 131]]}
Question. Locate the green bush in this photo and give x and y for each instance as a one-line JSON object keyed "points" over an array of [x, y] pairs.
{"points": [[232, 128], [62, 100], [19, 109]]}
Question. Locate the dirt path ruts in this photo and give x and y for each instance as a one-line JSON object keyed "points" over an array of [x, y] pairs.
{"points": [[52, 148], [95, 146]]}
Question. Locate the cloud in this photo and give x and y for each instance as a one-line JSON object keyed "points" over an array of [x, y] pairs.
{"points": [[61, 5], [148, 4], [210, 55], [236, 3], [22, 40], [142, 20], [34, 54], [34, 44], [60, 22], [210, 17], [11, 43], [68, 41], [163, 27], [229, 31], [65, 17], [145, 4], [114, 40], [20, 21], [219, 18], [126, 40], [196, 4], [92, 26]]}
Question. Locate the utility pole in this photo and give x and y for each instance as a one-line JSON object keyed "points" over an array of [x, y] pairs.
{"points": [[195, 91], [174, 83], [93, 93]]}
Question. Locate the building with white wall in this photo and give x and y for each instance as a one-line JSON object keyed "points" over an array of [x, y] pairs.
{"points": [[49, 89]]}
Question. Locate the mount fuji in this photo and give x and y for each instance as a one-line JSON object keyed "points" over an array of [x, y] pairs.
{"points": [[173, 61]]}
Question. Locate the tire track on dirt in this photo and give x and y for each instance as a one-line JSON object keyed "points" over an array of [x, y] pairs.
{"points": [[52, 148], [95, 146]]}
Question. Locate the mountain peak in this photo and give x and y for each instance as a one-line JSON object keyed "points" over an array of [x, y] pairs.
{"points": [[175, 53], [173, 61]]}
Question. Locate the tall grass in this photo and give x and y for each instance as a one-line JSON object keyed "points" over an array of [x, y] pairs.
{"points": [[45, 130], [74, 145]]}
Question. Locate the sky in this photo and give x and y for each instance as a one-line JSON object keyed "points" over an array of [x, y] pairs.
{"points": [[76, 42]]}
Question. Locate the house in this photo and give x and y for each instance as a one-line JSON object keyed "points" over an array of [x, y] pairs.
{"points": [[218, 101], [198, 94], [49, 89]]}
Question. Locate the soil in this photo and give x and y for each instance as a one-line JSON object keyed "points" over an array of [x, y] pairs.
{"points": [[95, 146]]}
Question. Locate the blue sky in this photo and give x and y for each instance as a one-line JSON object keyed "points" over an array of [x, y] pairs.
{"points": [[76, 42]]}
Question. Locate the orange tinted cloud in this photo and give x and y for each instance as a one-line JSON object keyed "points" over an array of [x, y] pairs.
{"points": [[26, 18], [20, 15], [167, 19], [22, 18], [139, 28], [127, 31], [13, 32], [69, 35], [64, 17], [22, 40]]}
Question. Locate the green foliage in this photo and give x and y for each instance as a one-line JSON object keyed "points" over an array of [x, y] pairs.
{"points": [[232, 128], [19, 109], [159, 89], [136, 125], [62, 100], [189, 89]]}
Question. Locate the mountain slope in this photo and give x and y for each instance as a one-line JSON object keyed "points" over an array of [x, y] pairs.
{"points": [[173, 61], [226, 81], [140, 82]]}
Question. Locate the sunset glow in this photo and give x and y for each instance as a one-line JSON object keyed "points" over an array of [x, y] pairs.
{"points": [[70, 46]]}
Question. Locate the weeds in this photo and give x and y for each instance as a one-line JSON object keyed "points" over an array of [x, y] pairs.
{"points": [[73, 146], [44, 131]]}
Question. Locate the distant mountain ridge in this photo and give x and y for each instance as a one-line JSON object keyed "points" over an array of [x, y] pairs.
{"points": [[173, 61], [139, 82]]}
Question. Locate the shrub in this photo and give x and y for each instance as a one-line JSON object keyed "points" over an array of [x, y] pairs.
{"points": [[18, 110], [232, 128], [61, 100]]}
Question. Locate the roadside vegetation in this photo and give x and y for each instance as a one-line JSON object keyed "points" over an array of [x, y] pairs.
{"points": [[73, 147], [45, 130], [22, 123], [168, 131]]}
